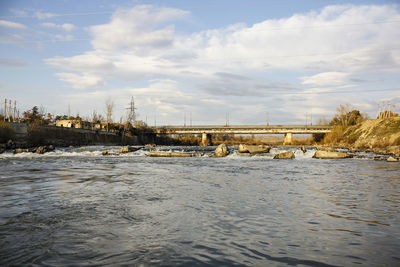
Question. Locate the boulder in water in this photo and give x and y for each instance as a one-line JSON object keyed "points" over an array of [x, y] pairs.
{"points": [[303, 148], [330, 155], [253, 149], [168, 154], [220, 151], [105, 153], [20, 150], [391, 159], [127, 149], [40, 150], [327, 149], [285, 155]]}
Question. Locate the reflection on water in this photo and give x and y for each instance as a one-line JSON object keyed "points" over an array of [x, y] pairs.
{"points": [[76, 207]]}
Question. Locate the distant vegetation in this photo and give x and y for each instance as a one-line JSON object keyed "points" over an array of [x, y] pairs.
{"points": [[345, 117]]}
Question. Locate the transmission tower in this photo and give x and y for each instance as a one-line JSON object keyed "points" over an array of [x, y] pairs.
{"points": [[131, 112]]}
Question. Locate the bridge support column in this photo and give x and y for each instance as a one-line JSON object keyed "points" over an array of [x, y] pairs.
{"points": [[206, 139], [288, 139]]}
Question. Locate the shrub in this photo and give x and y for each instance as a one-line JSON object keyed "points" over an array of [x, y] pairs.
{"points": [[334, 136]]}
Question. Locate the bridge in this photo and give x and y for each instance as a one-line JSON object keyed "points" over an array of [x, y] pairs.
{"points": [[207, 131]]}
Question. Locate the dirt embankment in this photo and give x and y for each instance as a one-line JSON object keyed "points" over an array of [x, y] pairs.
{"points": [[380, 135]]}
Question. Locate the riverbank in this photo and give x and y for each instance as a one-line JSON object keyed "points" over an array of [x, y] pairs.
{"points": [[379, 135]]}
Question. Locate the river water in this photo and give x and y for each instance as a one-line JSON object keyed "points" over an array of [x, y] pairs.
{"points": [[77, 207]]}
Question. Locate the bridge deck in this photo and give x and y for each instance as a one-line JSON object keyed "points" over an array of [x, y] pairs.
{"points": [[244, 129]]}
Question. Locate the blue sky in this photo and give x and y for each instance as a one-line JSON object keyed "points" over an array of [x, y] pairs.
{"points": [[206, 59]]}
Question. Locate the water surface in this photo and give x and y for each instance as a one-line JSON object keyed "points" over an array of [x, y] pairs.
{"points": [[77, 207]]}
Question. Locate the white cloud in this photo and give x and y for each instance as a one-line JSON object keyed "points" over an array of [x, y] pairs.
{"points": [[44, 15], [66, 26], [12, 25], [326, 79], [139, 43], [332, 46], [136, 28], [84, 81]]}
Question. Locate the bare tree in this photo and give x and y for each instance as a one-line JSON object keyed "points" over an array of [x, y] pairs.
{"points": [[42, 110], [109, 111], [342, 114], [95, 117], [323, 121], [346, 116]]}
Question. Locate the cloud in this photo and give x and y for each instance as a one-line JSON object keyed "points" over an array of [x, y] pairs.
{"points": [[326, 79], [140, 43], [313, 53], [66, 26], [227, 84], [136, 28], [11, 62], [44, 15], [12, 39], [85, 81], [12, 25]]}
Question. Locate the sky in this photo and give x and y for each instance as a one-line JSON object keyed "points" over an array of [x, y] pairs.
{"points": [[201, 62]]}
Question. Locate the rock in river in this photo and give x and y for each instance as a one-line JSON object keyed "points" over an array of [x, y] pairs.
{"points": [[253, 149], [20, 150], [285, 155], [391, 159], [127, 149], [169, 154], [330, 155], [220, 151]]}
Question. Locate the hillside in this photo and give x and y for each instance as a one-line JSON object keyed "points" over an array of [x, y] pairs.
{"points": [[379, 135]]}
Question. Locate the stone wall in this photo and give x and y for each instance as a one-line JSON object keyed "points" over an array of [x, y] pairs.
{"points": [[63, 136]]}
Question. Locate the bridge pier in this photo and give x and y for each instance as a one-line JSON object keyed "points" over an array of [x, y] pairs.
{"points": [[288, 139], [206, 139]]}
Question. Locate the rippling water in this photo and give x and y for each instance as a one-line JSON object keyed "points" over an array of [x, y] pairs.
{"points": [[76, 207]]}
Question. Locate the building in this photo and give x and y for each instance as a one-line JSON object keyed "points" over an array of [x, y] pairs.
{"points": [[74, 123]]}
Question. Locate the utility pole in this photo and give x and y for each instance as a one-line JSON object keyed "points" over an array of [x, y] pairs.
{"points": [[311, 119], [131, 112], [5, 109], [267, 119], [379, 111], [190, 119], [184, 119], [9, 110], [15, 110], [306, 119]]}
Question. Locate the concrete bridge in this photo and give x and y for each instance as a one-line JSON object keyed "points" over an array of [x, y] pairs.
{"points": [[207, 131]]}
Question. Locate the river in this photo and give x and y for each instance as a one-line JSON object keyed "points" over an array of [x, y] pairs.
{"points": [[74, 206]]}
